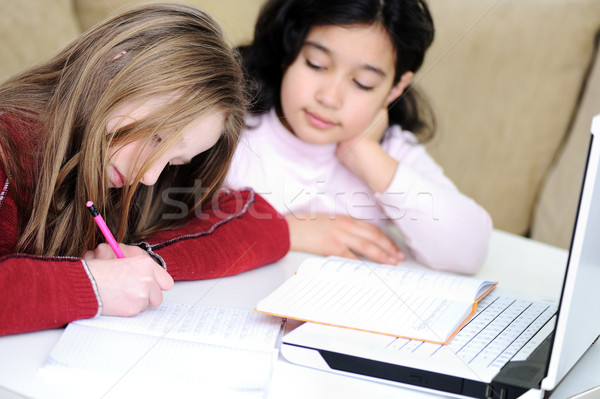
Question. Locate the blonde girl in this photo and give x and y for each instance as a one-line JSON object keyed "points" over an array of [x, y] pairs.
{"points": [[141, 114]]}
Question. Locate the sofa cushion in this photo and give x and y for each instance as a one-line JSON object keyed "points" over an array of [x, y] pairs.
{"points": [[555, 211], [32, 30], [236, 17], [503, 77]]}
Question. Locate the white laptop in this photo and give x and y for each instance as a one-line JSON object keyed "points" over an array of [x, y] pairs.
{"points": [[511, 345]]}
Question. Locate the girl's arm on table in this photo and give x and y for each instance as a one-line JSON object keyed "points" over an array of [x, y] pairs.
{"points": [[442, 227], [44, 292], [239, 231], [37, 293]]}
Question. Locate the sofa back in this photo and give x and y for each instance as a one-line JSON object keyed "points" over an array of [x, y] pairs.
{"points": [[33, 30], [504, 78]]}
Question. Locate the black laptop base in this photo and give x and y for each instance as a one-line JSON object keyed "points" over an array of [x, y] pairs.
{"points": [[513, 380]]}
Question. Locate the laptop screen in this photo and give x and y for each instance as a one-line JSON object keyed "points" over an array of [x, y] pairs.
{"points": [[578, 324]]}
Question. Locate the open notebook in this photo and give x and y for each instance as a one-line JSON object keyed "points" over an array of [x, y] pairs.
{"points": [[169, 351], [402, 302], [509, 347]]}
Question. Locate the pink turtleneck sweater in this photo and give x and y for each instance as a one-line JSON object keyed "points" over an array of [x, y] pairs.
{"points": [[442, 228]]}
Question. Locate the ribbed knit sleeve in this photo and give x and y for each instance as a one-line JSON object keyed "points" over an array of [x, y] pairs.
{"points": [[39, 293], [238, 231]]}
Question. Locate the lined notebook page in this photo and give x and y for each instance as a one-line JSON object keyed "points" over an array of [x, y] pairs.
{"points": [[385, 299], [210, 347], [207, 324]]}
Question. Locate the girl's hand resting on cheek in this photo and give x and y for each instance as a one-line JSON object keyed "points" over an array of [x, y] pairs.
{"points": [[352, 147], [129, 285], [343, 236], [364, 156]]}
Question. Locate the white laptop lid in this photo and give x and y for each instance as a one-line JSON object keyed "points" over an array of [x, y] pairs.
{"points": [[578, 324]]}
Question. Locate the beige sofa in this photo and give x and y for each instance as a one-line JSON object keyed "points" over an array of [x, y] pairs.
{"points": [[514, 84]]}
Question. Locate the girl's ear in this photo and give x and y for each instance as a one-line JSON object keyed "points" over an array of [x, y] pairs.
{"points": [[399, 87]]}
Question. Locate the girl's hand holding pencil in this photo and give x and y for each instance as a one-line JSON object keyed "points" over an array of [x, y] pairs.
{"points": [[127, 285]]}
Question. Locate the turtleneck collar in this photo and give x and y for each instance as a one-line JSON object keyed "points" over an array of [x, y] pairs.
{"points": [[295, 146]]}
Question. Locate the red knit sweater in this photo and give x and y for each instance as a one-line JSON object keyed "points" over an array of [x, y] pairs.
{"points": [[37, 292]]}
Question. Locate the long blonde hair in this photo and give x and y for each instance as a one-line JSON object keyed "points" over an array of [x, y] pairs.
{"points": [[66, 103]]}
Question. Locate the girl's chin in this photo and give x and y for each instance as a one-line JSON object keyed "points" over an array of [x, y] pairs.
{"points": [[315, 138]]}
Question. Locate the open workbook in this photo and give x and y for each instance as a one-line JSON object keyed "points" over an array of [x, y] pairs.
{"points": [[403, 302], [212, 348]]}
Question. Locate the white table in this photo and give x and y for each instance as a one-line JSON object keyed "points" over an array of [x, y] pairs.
{"points": [[519, 264]]}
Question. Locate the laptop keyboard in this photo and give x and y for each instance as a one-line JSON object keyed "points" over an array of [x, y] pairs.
{"points": [[500, 327]]}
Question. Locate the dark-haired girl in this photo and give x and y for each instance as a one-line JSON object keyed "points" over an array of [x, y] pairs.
{"points": [[333, 141]]}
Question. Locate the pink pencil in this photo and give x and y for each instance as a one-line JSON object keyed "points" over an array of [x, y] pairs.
{"points": [[104, 229]]}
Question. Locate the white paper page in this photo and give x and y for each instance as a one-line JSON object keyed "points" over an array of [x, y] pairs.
{"points": [[388, 299], [157, 359], [208, 324], [447, 285]]}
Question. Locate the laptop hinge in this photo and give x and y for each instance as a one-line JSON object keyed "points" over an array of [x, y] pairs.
{"points": [[517, 377], [498, 391]]}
